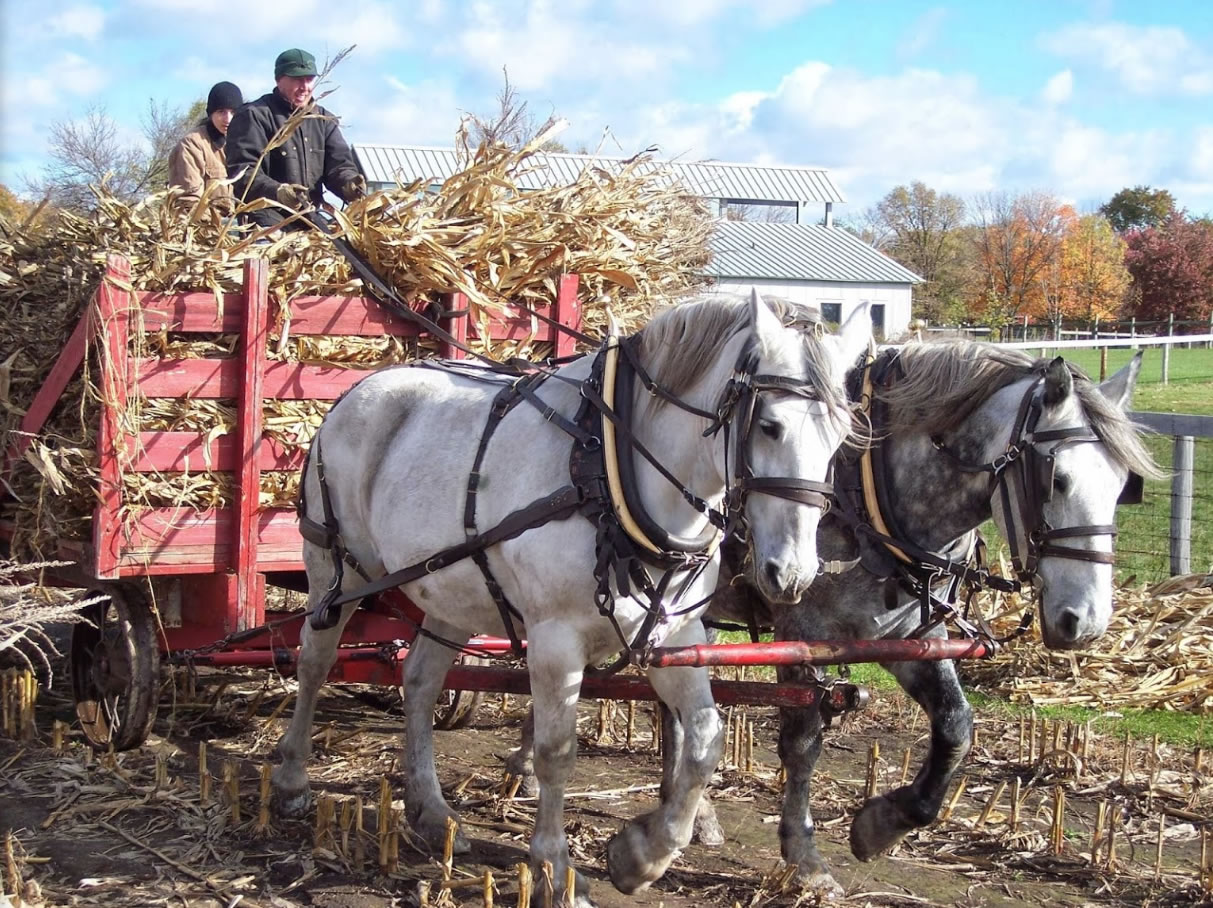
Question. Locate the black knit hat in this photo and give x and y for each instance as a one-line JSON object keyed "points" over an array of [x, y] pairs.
{"points": [[224, 96]]}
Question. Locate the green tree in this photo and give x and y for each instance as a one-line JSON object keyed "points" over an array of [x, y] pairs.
{"points": [[1138, 207], [919, 227]]}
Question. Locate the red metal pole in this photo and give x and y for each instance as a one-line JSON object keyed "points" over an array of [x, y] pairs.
{"points": [[821, 652]]}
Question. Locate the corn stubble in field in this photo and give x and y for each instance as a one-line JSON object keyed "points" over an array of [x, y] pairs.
{"points": [[635, 236]]}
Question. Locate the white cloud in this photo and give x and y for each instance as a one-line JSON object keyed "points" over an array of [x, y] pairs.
{"points": [[545, 45], [1059, 88], [1147, 60], [690, 13], [81, 21]]}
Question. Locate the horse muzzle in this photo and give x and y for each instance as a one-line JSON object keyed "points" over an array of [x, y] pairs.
{"points": [[783, 583], [1072, 628]]}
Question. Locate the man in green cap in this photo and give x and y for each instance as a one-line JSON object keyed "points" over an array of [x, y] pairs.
{"points": [[313, 157]]}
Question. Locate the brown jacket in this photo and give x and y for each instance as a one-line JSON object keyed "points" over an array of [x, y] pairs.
{"points": [[197, 161]]}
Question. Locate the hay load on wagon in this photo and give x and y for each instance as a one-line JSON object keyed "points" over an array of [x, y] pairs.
{"points": [[633, 234]]}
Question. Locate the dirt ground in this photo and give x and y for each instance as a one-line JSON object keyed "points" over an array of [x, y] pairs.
{"points": [[130, 829]]}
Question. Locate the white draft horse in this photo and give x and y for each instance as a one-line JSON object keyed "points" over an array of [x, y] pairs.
{"points": [[737, 402]]}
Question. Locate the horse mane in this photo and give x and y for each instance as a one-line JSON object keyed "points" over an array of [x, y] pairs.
{"points": [[685, 340], [942, 384]]}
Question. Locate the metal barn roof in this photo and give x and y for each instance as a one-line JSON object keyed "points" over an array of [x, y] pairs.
{"points": [[710, 179], [752, 249]]}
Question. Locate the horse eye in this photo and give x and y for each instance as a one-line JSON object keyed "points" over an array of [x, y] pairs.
{"points": [[770, 428], [1061, 484]]}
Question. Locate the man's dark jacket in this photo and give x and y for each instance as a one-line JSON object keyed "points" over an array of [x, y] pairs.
{"points": [[315, 155]]}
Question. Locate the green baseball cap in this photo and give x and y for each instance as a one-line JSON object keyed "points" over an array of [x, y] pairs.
{"points": [[294, 62]]}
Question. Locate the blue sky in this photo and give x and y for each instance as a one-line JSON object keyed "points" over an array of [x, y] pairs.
{"points": [[1076, 97]]}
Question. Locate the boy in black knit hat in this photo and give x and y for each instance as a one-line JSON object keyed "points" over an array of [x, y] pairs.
{"points": [[199, 158]]}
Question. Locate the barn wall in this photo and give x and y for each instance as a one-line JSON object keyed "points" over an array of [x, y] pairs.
{"points": [[894, 297]]}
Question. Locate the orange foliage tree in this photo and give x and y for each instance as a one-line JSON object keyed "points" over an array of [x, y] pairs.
{"points": [[1087, 277], [1017, 240]]}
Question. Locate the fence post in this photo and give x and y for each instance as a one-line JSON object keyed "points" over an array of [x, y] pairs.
{"points": [[1209, 344], [1182, 457], [1095, 333], [1103, 364], [1166, 363]]}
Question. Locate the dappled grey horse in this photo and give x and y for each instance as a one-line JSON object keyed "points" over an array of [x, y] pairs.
{"points": [[734, 402], [955, 447]]}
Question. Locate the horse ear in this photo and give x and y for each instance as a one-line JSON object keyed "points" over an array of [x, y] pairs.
{"points": [[1119, 388], [764, 320], [854, 336], [1058, 382]]}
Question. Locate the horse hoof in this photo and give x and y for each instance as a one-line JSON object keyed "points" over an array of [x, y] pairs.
{"points": [[292, 805], [707, 831], [877, 827], [821, 884], [528, 787], [629, 869], [433, 835]]}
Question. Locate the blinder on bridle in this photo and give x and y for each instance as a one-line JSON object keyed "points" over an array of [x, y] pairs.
{"points": [[736, 408]]}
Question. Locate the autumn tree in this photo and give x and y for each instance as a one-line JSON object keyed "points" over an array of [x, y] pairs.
{"points": [[91, 151], [919, 229], [1172, 269], [1016, 239], [12, 209], [1138, 207], [1093, 267]]}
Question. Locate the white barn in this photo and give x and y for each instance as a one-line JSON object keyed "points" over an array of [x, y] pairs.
{"points": [[825, 267], [809, 261]]}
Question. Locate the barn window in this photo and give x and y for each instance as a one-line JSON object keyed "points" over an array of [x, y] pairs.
{"points": [[832, 313]]}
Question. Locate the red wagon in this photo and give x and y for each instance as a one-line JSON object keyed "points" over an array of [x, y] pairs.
{"points": [[193, 583]]}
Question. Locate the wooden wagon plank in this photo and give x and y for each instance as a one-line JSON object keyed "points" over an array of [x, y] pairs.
{"points": [[181, 452], [190, 313], [249, 606], [221, 378], [109, 318]]}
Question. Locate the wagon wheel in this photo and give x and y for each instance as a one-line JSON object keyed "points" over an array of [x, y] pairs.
{"points": [[455, 708], [116, 668]]}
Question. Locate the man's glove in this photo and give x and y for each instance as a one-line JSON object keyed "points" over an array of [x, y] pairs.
{"points": [[294, 196], [354, 188]]}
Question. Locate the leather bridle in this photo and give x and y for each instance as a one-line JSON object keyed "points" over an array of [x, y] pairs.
{"points": [[1023, 475]]}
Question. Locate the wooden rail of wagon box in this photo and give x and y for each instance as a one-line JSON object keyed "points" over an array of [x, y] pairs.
{"points": [[209, 568]]}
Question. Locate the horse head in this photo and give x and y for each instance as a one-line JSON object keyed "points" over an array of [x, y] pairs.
{"points": [[798, 419], [1056, 506]]}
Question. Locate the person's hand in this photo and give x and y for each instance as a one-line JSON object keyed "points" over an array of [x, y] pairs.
{"points": [[294, 196], [354, 189]]}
